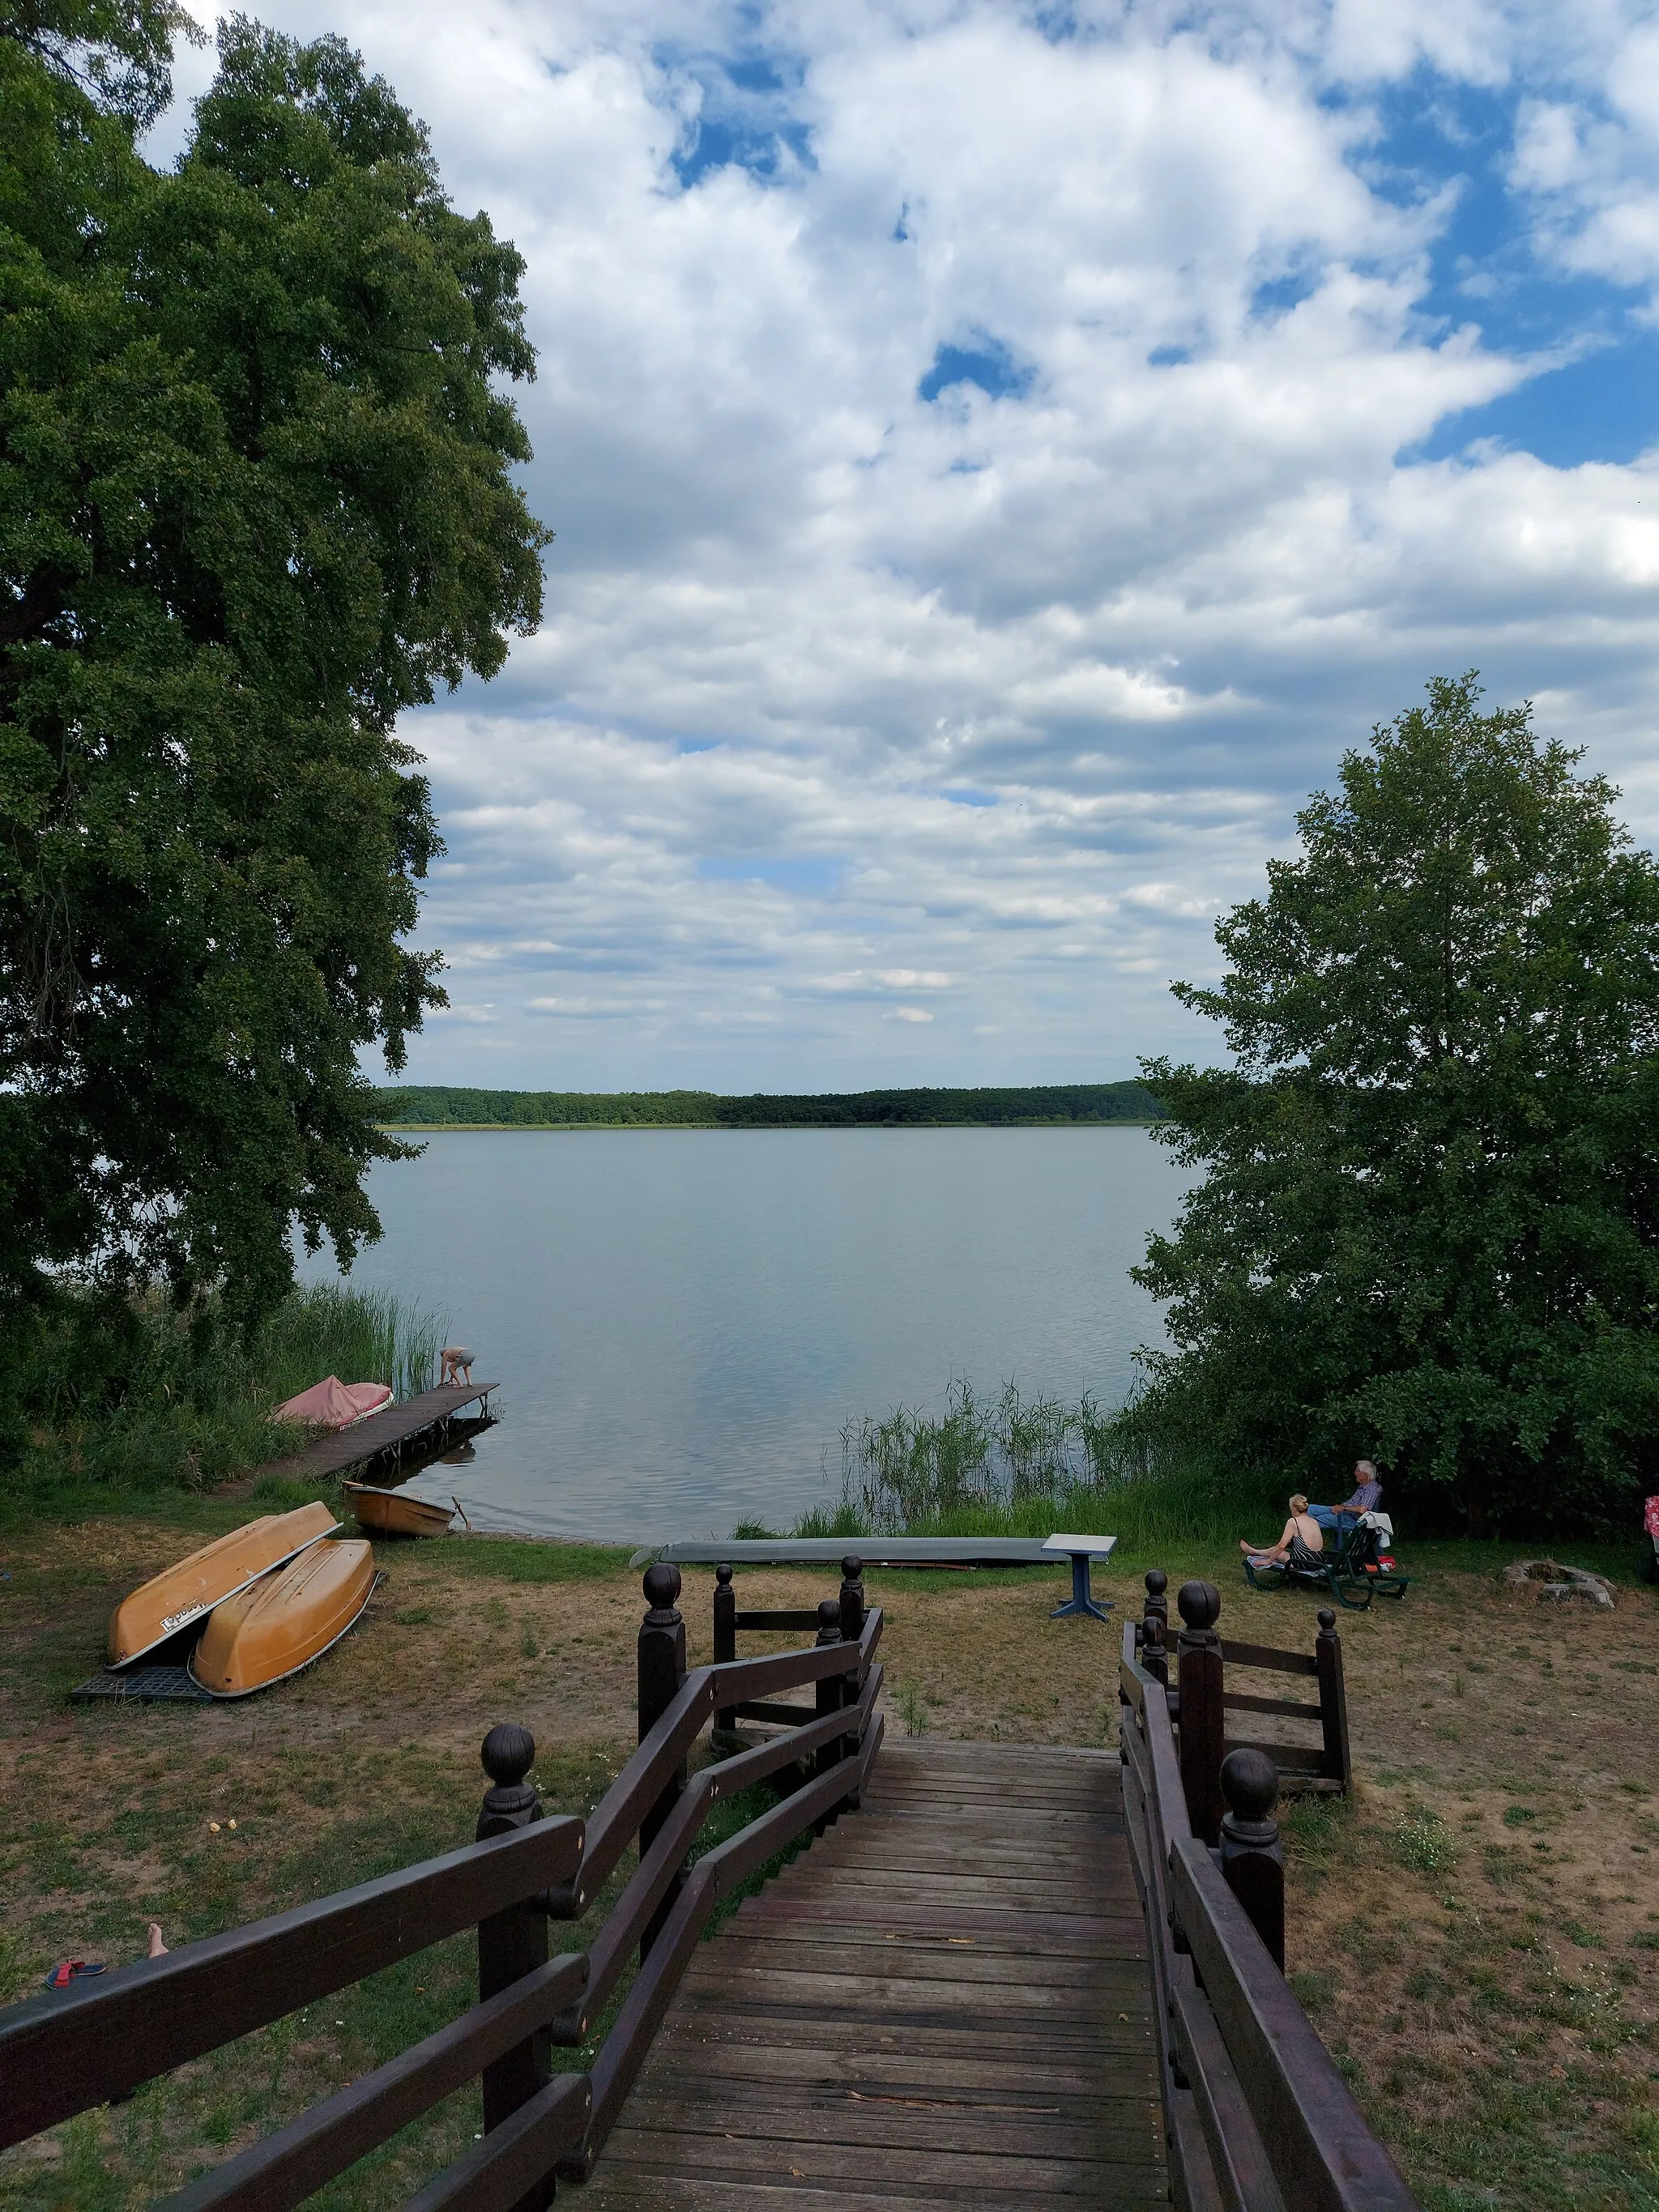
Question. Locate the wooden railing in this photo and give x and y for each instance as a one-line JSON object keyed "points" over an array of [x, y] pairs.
{"points": [[64, 2054], [1257, 2117], [1206, 1658]]}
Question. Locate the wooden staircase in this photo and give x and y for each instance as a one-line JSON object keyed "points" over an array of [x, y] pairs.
{"points": [[946, 2000]]}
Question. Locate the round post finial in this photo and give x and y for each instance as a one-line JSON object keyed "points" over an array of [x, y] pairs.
{"points": [[508, 1753], [829, 1620], [1252, 1864], [723, 1573], [1157, 1581], [1326, 1621], [662, 1586], [852, 1568], [1249, 1783], [1198, 1605]]}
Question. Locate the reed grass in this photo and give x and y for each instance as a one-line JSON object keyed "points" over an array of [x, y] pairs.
{"points": [[146, 1397], [1023, 1465]]}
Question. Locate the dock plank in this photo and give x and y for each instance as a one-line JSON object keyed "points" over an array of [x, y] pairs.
{"points": [[946, 2000], [388, 1430]]}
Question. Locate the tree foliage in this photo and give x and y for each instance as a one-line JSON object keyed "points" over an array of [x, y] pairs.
{"points": [[256, 501], [1428, 1225]]}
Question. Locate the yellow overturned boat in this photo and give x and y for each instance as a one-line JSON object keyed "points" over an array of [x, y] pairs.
{"points": [[172, 1599], [285, 1621]]}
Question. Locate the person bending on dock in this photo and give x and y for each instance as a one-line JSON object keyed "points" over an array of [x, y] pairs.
{"points": [[1299, 1547], [1367, 1497]]}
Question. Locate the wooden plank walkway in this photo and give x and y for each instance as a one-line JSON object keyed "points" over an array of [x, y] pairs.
{"points": [[385, 1431], [944, 2000]]}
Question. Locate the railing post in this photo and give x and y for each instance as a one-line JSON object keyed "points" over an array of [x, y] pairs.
{"points": [[512, 1943], [662, 1670], [1203, 1738], [1157, 1602], [1154, 1626], [852, 1598], [1250, 1857], [726, 1641], [1332, 1699], [852, 1627], [830, 1696]]}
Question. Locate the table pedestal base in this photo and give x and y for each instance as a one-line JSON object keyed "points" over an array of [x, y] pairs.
{"points": [[1082, 1600]]}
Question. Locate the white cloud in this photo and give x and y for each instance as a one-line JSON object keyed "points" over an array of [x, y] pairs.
{"points": [[843, 696]]}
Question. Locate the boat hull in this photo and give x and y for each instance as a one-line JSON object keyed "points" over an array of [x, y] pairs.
{"points": [[284, 1622], [185, 1593], [394, 1512]]}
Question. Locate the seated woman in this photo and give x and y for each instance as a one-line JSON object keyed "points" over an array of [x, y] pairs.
{"points": [[1300, 1546]]}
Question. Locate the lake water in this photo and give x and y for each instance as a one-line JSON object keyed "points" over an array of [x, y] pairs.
{"points": [[681, 1321]]}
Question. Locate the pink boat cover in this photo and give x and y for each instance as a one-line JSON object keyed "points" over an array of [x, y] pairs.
{"points": [[1650, 1517], [332, 1404]]}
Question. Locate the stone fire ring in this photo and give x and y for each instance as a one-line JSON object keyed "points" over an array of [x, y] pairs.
{"points": [[1559, 1585]]}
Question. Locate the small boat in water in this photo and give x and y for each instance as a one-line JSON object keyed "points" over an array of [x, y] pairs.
{"points": [[182, 1594], [285, 1621], [395, 1512]]}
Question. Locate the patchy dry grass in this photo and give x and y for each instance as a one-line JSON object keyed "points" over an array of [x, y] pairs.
{"points": [[1477, 1934]]}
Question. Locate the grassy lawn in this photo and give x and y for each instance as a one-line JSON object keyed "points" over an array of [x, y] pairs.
{"points": [[1477, 1934]]}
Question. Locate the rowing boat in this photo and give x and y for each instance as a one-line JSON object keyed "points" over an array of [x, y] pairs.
{"points": [[396, 1512], [285, 1621], [182, 1594]]}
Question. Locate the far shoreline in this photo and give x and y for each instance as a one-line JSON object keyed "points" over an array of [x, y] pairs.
{"points": [[720, 1129]]}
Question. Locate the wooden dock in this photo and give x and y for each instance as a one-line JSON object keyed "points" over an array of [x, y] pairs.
{"points": [[946, 2000], [391, 1430]]}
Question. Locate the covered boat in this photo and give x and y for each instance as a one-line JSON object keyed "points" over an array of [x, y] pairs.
{"points": [[182, 1594], [395, 1512], [332, 1404], [285, 1621]]}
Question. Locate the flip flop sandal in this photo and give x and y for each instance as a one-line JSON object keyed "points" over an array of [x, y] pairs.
{"points": [[71, 1970]]}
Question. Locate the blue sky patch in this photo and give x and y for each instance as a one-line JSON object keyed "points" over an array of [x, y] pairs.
{"points": [[1603, 408], [985, 361], [815, 878]]}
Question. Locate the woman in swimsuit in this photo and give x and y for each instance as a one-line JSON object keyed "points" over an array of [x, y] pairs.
{"points": [[1302, 1541]]}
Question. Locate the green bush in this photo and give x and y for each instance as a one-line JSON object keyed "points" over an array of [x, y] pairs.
{"points": [[142, 1395]]}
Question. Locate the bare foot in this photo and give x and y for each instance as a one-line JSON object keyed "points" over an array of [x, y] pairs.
{"points": [[157, 1950]]}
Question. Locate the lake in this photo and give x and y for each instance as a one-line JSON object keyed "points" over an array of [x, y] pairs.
{"points": [[681, 1320]]}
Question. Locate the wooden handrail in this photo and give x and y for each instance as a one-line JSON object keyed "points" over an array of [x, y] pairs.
{"points": [[499, 2173], [1262, 1655], [712, 1879], [63, 2053], [1325, 2157], [298, 2159], [1259, 2118], [632, 1911]]}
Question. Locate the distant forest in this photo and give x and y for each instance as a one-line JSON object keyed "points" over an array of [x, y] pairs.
{"points": [[437, 1106]]}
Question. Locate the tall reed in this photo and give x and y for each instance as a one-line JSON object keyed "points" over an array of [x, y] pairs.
{"points": [[146, 1395], [1024, 1465]]}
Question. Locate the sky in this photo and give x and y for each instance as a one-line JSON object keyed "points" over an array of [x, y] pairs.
{"points": [[1001, 457]]}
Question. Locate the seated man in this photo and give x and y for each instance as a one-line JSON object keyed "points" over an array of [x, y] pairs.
{"points": [[1299, 1546], [1367, 1497]]}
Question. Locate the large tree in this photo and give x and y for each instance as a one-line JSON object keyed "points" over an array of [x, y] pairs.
{"points": [[1427, 1227], [256, 501]]}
